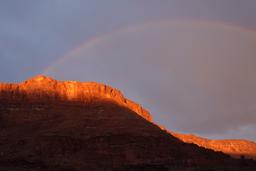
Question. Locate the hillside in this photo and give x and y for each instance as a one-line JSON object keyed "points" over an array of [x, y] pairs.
{"points": [[67, 125]]}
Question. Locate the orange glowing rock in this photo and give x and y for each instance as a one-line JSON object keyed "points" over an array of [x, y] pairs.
{"points": [[45, 89], [235, 148]]}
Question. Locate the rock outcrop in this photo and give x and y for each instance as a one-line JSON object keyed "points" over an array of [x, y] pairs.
{"points": [[235, 148], [46, 89]]}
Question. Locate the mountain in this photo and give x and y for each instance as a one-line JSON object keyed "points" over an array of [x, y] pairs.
{"points": [[235, 148], [47, 124]]}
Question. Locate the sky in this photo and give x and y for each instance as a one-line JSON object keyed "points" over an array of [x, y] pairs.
{"points": [[191, 63]]}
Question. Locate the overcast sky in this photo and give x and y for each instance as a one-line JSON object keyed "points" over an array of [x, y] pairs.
{"points": [[191, 63]]}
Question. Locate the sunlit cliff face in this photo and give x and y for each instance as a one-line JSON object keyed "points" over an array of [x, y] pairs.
{"points": [[48, 90], [235, 148]]}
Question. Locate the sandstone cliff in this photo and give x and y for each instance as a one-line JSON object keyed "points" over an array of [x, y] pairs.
{"points": [[235, 148], [57, 108], [65, 125], [46, 89]]}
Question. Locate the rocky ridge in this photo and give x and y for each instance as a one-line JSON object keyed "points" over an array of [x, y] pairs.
{"points": [[233, 147], [42, 89], [65, 125], [45, 89]]}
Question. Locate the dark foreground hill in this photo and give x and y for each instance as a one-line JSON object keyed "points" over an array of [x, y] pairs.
{"points": [[51, 125]]}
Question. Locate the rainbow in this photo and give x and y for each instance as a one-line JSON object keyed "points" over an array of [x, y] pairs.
{"points": [[100, 38]]}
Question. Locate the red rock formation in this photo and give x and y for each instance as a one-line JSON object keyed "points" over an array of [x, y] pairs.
{"points": [[42, 88], [67, 125], [235, 148]]}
